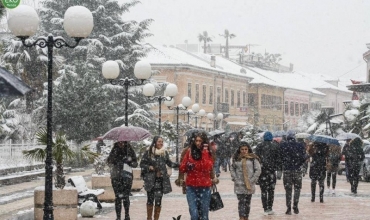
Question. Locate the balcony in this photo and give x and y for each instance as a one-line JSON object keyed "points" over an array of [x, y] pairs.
{"points": [[223, 107]]}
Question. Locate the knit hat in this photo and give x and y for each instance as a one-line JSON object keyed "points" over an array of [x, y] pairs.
{"points": [[267, 136]]}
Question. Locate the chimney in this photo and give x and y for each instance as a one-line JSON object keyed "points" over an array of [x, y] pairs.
{"points": [[213, 61]]}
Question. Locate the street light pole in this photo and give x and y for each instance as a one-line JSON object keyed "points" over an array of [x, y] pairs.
{"points": [[23, 22], [186, 101], [111, 71], [171, 91]]}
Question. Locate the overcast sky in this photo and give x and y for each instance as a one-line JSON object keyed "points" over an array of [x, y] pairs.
{"points": [[318, 36]]}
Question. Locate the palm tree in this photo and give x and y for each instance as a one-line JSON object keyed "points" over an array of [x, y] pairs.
{"points": [[227, 35], [60, 152], [205, 38]]}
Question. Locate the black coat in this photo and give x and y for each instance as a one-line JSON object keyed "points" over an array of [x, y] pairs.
{"points": [[270, 157], [159, 163], [318, 163], [120, 156], [354, 154], [293, 154]]}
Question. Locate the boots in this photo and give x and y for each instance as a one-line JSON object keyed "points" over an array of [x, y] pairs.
{"points": [[295, 208], [157, 211], [321, 194], [149, 212], [313, 191]]}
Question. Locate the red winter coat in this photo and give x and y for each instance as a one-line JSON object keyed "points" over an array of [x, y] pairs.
{"points": [[199, 176]]}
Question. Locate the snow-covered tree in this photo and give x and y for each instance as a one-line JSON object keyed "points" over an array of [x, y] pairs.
{"points": [[84, 105]]}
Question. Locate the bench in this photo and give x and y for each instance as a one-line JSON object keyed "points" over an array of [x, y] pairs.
{"points": [[85, 193]]}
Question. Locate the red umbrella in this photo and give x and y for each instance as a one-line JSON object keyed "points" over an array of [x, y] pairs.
{"points": [[129, 133]]}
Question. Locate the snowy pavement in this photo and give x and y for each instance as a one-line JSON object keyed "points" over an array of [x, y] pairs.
{"points": [[340, 206]]}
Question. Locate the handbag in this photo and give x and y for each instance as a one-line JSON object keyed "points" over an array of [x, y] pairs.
{"points": [[216, 201], [127, 171]]}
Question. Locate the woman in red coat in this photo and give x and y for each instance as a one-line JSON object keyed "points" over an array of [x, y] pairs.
{"points": [[197, 164]]}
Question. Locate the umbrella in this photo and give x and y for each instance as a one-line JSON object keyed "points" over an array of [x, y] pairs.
{"points": [[279, 133], [190, 132], [302, 135], [323, 139], [130, 133], [347, 136], [216, 132]]}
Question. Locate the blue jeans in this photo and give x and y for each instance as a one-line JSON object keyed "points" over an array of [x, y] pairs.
{"points": [[198, 201]]}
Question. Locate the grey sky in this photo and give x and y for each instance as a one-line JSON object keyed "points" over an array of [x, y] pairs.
{"points": [[318, 36]]}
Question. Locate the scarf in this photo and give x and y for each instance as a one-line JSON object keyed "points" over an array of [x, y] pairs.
{"points": [[244, 168], [161, 152], [196, 153]]}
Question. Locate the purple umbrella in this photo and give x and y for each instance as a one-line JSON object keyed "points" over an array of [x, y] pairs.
{"points": [[129, 133]]}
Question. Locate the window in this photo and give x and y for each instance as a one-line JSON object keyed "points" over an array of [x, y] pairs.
{"points": [[218, 94], [296, 109], [238, 99], [226, 96], [189, 90], [211, 95], [291, 108], [232, 97], [244, 98], [204, 94], [196, 93], [252, 99], [286, 108]]}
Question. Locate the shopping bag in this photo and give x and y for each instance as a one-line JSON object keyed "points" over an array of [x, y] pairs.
{"points": [[216, 201]]}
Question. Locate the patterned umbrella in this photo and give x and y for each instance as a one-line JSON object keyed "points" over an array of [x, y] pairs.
{"points": [[129, 133]]}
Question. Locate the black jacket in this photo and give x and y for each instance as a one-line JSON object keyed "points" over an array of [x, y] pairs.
{"points": [[119, 156]]}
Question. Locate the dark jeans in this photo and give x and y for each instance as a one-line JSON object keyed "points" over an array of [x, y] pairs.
{"points": [[122, 188], [292, 179], [328, 178], [244, 204], [353, 175], [216, 166], [226, 163], [267, 195], [156, 194], [313, 188]]}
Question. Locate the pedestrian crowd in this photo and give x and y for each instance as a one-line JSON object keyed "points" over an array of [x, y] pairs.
{"points": [[203, 159]]}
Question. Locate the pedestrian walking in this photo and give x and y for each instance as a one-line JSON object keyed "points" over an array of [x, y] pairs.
{"points": [[122, 159], [354, 157], [198, 165], [318, 153], [293, 154], [245, 171], [269, 153], [344, 152], [155, 176], [332, 166]]}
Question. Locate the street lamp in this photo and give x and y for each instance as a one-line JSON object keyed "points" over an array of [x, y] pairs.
{"points": [[186, 101], [171, 91], [23, 22], [212, 117], [196, 111], [142, 71]]}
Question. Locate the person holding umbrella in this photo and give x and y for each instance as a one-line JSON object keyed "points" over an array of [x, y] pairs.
{"points": [[354, 156], [318, 152], [155, 176], [122, 159]]}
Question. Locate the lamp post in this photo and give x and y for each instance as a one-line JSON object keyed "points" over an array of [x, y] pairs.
{"points": [[23, 22], [171, 91], [196, 111], [212, 117], [111, 71], [186, 101]]}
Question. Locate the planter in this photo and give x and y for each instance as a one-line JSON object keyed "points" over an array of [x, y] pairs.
{"points": [[104, 182], [65, 203]]}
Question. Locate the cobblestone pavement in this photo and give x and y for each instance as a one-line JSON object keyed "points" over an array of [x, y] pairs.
{"points": [[343, 205]]}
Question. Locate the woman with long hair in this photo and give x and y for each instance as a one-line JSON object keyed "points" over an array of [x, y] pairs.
{"points": [[198, 165], [122, 159], [245, 171], [155, 176], [318, 153]]}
